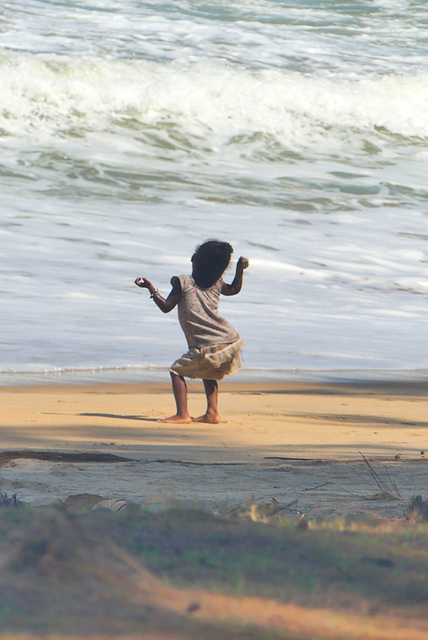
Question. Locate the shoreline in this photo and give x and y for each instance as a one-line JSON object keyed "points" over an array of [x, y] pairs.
{"points": [[399, 387], [150, 375]]}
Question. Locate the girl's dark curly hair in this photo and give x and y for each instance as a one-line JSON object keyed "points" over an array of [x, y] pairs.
{"points": [[210, 261]]}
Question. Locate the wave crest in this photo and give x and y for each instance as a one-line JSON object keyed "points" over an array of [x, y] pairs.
{"points": [[50, 95]]}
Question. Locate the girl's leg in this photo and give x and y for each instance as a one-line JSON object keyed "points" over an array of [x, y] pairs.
{"points": [[179, 389], [211, 415]]}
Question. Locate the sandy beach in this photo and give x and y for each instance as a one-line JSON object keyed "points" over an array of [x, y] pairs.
{"points": [[299, 443]]}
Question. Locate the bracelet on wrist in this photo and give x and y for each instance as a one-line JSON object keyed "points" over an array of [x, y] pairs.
{"points": [[155, 293]]}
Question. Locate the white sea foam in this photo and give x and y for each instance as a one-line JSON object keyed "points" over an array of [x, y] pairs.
{"points": [[49, 96]]}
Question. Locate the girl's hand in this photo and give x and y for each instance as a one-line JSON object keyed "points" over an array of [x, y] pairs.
{"points": [[143, 283], [243, 263]]}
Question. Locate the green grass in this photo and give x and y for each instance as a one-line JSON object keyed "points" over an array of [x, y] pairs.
{"points": [[371, 568], [47, 584]]}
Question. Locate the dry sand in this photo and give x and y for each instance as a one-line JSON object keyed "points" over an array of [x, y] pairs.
{"points": [[297, 443]]}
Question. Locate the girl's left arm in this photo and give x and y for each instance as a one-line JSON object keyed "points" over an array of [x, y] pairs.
{"points": [[235, 287], [165, 305]]}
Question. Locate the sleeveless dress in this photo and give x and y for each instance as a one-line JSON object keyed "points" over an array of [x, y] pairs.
{"points": [[214, 345]]}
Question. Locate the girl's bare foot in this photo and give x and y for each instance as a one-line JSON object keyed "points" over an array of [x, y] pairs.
{"points": [[209, 417], [177, 419]]}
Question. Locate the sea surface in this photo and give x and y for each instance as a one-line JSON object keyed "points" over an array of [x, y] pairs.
{"points": [[131, 131]]}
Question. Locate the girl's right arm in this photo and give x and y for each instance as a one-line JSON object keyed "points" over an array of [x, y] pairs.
{"points": [[165, 305]]}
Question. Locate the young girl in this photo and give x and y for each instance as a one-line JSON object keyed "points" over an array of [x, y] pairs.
{"points": [[214, 345]]}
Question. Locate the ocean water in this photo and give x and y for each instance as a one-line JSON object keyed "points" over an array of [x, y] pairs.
{"points": [[131, 131]]}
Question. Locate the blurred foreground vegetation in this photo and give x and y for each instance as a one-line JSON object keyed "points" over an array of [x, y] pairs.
{"points": [[72, 570]]}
